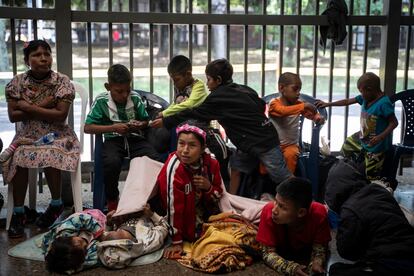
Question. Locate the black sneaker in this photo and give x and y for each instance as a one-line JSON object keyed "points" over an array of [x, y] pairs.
{"points": [[49, 216], [31, 215], [16, 229]]}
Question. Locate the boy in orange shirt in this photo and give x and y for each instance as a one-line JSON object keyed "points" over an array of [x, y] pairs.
{"points": [[285, 112]]}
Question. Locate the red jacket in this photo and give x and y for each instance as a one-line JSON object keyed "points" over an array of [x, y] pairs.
{"points": [[178, 195]]}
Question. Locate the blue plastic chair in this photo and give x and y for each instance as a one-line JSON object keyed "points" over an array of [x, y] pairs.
{"points": [[407, 143], [151, 100], [308, 162]]}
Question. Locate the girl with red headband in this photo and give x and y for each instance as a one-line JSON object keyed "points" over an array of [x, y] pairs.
{"points": [[190, 187]]}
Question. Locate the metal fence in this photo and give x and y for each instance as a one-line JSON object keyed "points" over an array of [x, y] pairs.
{"points": [[280, 34]]}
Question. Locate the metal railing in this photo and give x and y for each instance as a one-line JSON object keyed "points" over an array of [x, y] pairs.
{"points": [[391, 21]]}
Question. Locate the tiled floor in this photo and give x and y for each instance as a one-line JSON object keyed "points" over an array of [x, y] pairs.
{"points": [[14, 266]]}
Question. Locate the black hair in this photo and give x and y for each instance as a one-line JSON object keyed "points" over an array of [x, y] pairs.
{"points": [[118, 73], [296, 189], [179, 65], [369, 81], [196, 124], [32, 46], [220, 68], [288, 78], [63, 256]]}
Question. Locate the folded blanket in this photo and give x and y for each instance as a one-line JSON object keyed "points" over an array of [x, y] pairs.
{"points": [[220, 249]]}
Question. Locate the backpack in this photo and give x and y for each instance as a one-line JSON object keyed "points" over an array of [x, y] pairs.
{"points": [[337, 12]]}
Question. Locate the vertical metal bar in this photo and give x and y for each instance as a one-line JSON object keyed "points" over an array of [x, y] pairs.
{"points": [[263, 62], [298, 39], [348, 69], [151, 56], [390, 34], [245, 44], [13, 44], [110, 41], [331, 67], [131, 46], [171, 45], [281, 39], [190, 32], [190, 41], [209, 35], [228, 32], [34, 5], [407, 49], [64, 42], [90, 79], [35, 36], [171, 53], [365, 57], [64, 37], [315, 52]]}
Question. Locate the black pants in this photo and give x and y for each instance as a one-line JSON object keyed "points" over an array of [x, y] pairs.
{"points": [[113, 153]]}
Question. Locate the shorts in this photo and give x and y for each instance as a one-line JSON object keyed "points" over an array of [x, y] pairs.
{"points": [[243, 162]]}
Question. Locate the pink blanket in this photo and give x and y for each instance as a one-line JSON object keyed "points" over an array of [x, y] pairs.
{"points": [[140, 186]]}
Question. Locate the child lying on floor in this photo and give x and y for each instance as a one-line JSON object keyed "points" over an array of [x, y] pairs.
{"points": [[79, 240], [134, 235], [70, 245]]}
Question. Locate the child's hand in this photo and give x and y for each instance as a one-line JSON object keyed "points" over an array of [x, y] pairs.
{"points": [[318, 119], [173, 251], [310, 108], [201, 182], [157, 123], [109, 218], [317, 268], [300, 271], [120, 128], [375, 140], [146, 210], [135, 125], [321, 104], [159, 115]]}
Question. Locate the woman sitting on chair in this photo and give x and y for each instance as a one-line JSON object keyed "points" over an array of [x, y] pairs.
{"points": [[40, 99]]}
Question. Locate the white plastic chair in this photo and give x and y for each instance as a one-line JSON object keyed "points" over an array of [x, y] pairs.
{"points": [[75, 176]]}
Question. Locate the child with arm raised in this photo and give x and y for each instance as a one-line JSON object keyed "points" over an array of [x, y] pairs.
{"points": [[284, 113], [377, 123]]}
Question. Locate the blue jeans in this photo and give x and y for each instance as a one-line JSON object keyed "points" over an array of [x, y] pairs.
{"points": [[275, 164]]}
